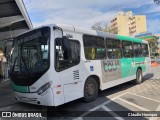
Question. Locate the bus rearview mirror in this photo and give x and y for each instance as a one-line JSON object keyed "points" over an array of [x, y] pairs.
{"points": [[66, 43]]}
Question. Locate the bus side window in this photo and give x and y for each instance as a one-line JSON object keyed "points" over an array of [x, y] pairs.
{"points": [[66, 58], [94, 47], [137, 49], [113, 49], [145, 51], [127, 49]]}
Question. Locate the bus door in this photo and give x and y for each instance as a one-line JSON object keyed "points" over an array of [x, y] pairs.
{"points": [[145, 54], [67, 66]]}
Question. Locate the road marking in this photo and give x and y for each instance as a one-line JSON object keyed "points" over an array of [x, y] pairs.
{"points": [[79, 118], [112, 113], [158, 108], [130, 103], [99, 106], [145, 97], [155, 118]]}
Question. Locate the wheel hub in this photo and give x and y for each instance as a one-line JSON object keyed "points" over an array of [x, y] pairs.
{"points": [[90, 89]]}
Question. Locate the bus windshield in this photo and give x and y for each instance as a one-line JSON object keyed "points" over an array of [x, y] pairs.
{"points": [[30, 56]]}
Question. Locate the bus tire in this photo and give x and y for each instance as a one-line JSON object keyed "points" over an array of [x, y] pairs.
{"points": [[138, 76], [90, 90]]}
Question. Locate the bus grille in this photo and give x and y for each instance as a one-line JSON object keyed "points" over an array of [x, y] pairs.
{"points": [[25, 99], [76, 74]]}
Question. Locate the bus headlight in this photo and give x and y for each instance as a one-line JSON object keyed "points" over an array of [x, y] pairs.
{"points": [[43, 88]]}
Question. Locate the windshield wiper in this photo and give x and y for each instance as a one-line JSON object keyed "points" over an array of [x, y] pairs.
{"points": [[23, 60]]}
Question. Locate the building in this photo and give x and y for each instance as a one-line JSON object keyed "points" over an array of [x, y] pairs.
{"points": [[127, 24]]}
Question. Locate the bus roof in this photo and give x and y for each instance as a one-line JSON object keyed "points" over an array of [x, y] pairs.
{"points": [[99, 33], [90, 32]]}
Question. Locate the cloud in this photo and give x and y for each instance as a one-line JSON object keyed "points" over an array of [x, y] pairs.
{"points": [[42, 5], [86, 20], [82, 13]]}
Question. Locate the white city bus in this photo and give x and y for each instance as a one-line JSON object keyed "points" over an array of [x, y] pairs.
{"points": [[56, 64]]}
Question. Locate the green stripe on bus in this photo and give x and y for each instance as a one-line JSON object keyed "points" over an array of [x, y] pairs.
{"points": [[23, 89], [129, 38], [128, 69], [139, 62]]}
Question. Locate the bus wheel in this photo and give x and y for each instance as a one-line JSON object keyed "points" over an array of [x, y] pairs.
{"points": [[138, 76], [90, 90]]}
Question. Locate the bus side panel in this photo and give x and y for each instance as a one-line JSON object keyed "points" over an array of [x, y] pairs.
{"points": [[116, 72], [148, 65], [111, 70], [73, 91], [57, 87], [92, 67], [147, 60], [139, 62], [130, 66], [127, 67]]}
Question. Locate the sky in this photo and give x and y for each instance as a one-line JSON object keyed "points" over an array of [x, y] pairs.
{"points": [[85, 13]]}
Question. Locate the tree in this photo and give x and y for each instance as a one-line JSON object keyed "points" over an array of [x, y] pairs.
{"points": [[153, 43], [157, 2], [100, 26], [112, 30], [103, 26]]}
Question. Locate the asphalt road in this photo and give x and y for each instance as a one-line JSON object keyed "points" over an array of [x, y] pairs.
{"points": [[114, 103]]}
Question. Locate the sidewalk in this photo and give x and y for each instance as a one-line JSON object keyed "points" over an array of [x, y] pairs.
{"points": [[156, 71], [4, 82]]}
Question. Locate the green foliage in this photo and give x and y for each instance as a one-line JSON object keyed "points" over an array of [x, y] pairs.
{"points": [[153, 44]]}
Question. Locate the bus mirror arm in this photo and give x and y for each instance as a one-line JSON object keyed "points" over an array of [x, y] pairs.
{"points": [[65, 40], [58, 28], [66, 43]]}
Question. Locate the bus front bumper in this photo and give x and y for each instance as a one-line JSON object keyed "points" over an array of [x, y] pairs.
{"points": [[45, 99]]}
